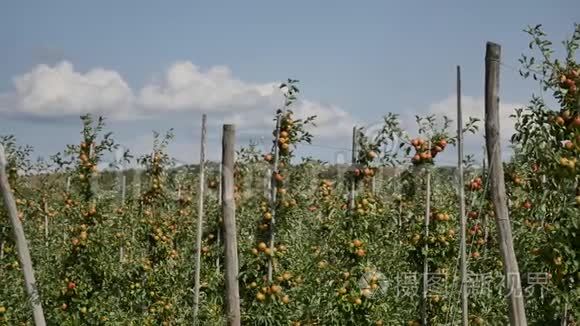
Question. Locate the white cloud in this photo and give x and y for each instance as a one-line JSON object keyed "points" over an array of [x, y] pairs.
{"points": [[331, 121], [60, 90], [186, 88]]}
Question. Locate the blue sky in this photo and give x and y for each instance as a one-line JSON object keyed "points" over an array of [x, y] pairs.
{"points": [[356, 61]]}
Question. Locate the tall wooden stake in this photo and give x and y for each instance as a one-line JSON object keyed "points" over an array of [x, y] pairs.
{"points": [[426, 246], [2, 246], [464, 293], [564, 321], [199, 218], [515, 298], [352, 193], [64, 237], [220, 185], [46, 222], [485, 218], [123, 194], [229, 216], [219, 224], [268, 183], [400, 222], [21, 244], [123, 189], [273, 194]]}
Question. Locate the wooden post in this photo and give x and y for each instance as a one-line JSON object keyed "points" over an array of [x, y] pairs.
{"points": [[123, 189], [123, 194], [426, 246], [2, 247], [220, 185], [485, 221], [352, 193], [483, 164], [273, 195], [400, 222], [21, 244], [229, 217], [199, 218], [400, 216], [515, 298], [268, 183], [564, 321], [46, 222], [219, 224], [461, 190], [64, 237]]}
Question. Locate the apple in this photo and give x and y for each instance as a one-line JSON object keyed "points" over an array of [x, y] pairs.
{"points": [[285, 299], [366, 292], [357, 243], [566, 115], [360, 252], [563, 78]]}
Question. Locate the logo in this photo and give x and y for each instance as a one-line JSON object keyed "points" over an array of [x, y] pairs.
{"points": [[373, 283]]}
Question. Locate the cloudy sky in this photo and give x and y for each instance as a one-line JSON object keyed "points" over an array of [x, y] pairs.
{"points": [[157, 65]]}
